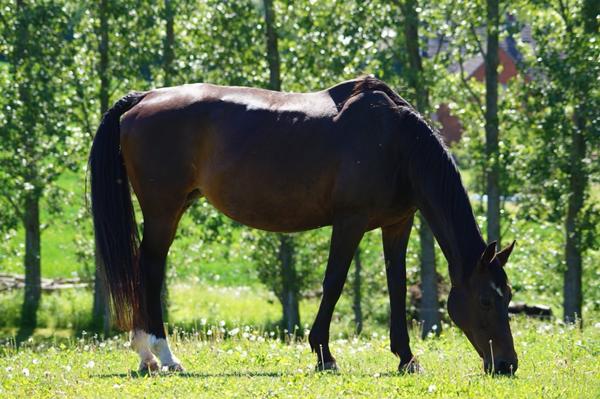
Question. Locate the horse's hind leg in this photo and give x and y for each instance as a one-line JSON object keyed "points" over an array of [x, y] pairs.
{"points": [[345, 238], [160, 226], [395, 242]]}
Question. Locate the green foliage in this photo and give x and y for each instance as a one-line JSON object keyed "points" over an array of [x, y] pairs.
{"points": [[309, 257], [563, 99], [37, 140]]}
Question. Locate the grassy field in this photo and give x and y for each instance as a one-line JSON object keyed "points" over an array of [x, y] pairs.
{"points": [[555, 362]]}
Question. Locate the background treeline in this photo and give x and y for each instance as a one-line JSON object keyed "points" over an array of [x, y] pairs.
{"points": [[529, 149]]}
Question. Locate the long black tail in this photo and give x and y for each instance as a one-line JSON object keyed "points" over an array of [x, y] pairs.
{"points": [[117, 239]]}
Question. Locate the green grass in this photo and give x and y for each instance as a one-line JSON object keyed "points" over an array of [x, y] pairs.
{"points": [[555, 362]]}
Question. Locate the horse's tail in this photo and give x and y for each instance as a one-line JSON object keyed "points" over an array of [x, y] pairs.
{"points": [[115, 228]]}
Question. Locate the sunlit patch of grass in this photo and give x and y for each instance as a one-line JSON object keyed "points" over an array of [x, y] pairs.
{"points": [[555, 361]]}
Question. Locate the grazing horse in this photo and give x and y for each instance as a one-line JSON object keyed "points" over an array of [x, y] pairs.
{"points": [[355, 156]]}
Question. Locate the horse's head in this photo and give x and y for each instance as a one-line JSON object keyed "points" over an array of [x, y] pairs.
{"points": [[479, 307]]}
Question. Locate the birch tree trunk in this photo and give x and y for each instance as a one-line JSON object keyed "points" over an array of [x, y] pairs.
{"points": [[491, 123], [429, 312], [101, 309], [290, 292]]}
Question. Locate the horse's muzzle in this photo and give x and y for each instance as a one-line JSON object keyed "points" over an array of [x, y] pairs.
{"points": [[502, 366]]}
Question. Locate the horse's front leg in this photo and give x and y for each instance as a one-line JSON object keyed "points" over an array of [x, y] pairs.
{"points": [[346, 235], [149, 337], [395, 242]]}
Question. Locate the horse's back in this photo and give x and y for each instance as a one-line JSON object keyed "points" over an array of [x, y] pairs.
{"points": [[271, 160]]}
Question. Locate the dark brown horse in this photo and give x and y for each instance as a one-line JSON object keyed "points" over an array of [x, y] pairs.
{"points": [[355, 156]]}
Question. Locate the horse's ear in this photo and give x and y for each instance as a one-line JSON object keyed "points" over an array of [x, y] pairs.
{"points": [[488, 255], [503, 255]]}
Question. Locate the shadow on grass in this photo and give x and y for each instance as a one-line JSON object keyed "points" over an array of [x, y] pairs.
{"points": [[192, 374]]}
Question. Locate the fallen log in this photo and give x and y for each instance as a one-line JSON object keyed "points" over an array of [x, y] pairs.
{"points": [[17, 281]]}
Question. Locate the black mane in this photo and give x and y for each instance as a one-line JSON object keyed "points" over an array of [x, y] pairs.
{"points": [[439, 192]]}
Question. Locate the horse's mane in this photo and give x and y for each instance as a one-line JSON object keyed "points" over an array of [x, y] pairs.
{"points": [[431, 169], [371, 83]]}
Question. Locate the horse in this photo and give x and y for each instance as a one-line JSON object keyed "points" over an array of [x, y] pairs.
{"points": [[355, 156]]}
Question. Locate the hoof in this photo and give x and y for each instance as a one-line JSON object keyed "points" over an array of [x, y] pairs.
{"points": [[175, 367], [412, 367], [148, 366], [327, 366]]}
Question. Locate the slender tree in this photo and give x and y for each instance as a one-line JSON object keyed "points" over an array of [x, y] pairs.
{"points": [[565, 121], [290, 289], [31, 214], [578, 172], [356, 292], [100, 309], [491, 122], [168, 72], [169, 43], [429, 312], [33, 129]]}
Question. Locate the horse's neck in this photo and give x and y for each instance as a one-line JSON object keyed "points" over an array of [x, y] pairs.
{"points": [[455, 228], [442, 199]]}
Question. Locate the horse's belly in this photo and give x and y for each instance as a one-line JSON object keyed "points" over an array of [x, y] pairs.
{"points": [[259, 207]]}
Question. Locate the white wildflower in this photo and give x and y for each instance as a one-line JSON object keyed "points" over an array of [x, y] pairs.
{"points": [[26, 372]]}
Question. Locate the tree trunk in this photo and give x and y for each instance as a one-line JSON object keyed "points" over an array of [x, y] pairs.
{"points": [[430, 317], [591, 8], [31, 214], [33, 278], [578, 181], [272, 47], [356, 293], [289, 292], [290, 289], [429, 313], [573, 252], [101, 309], [491, 123], [169, 43], [168, 60]]}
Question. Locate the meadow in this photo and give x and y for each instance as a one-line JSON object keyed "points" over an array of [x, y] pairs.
{"points": [[222, 360]]}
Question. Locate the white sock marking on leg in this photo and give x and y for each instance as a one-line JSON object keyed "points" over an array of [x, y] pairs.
{"points": [[160, 347], [140, 342]]}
